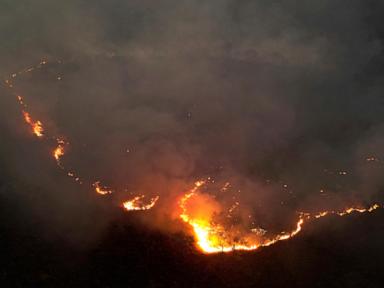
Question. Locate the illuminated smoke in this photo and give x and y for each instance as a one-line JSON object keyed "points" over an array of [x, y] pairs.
{"points": [[58, 152], [197, 209]]}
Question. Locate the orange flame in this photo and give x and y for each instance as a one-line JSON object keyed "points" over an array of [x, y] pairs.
{"points": [[212, 237], [197, 209], [37, 126], [347, 211], [101, 190], [58, 153], [136, 203]]}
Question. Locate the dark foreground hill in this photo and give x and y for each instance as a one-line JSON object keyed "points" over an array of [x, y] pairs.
{"points": [[335, 252]]}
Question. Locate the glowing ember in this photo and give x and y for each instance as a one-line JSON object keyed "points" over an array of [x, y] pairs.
{"points": [[136, 203], [20, 99], [101, 190], [198, 211], [58, 153], [347, 211], [37, 126]]}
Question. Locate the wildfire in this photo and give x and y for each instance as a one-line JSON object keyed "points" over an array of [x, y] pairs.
{"points": [[199, 210], [101, 190], [58, 153], [207, 234], [347, 211], [37, 126], [212, 237], [136, 203]]}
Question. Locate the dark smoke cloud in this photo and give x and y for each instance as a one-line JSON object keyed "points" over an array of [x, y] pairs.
{"points": [[257, 93]]}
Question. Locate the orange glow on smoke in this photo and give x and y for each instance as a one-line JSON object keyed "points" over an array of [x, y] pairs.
{"points": [[198, 210], [137, 203]]}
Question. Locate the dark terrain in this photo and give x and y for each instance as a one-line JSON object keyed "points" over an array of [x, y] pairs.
{"points": [[330, 253]]}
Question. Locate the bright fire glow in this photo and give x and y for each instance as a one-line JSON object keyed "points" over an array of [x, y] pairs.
{"points": [[37, 126], [100, 189], [212, 237], [197, 209], [347, 211], [58, 152], [137, 204]]}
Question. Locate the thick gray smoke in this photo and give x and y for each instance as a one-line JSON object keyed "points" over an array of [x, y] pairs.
{"points": [[282, 99]]}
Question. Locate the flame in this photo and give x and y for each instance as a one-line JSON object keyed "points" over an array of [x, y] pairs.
{"points": [[347, 211], [58, 153], [198, 210], [101, 190], [136, 203], [212, 237], [206, 233], [37, 126]]}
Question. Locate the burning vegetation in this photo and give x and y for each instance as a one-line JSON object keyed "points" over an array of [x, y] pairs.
{"points": [[36, 126], [137, 203], [202, 211], [210, 221]]}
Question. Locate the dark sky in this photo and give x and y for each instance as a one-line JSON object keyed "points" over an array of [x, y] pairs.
{"points": [[259, 93]]}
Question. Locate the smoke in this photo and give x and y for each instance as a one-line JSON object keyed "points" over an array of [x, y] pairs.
{"points": [[282, 100]]}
